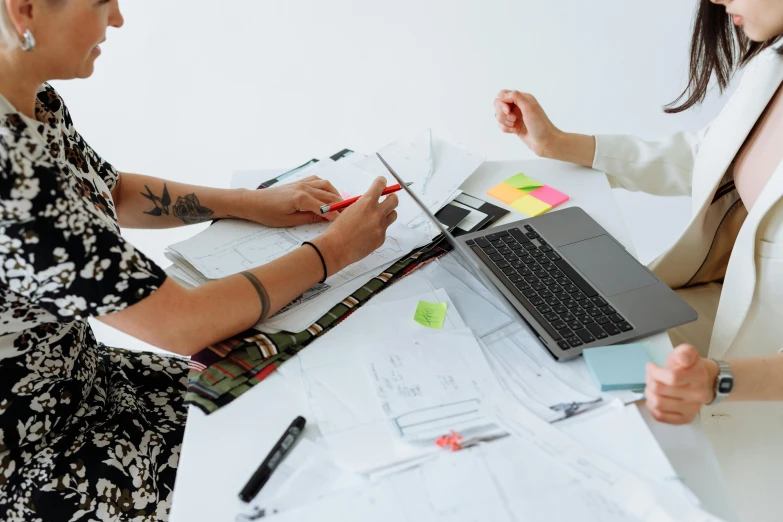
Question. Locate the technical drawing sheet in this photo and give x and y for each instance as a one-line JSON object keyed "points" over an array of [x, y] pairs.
{"points": [[412, 160], [232, 246], [432, 383], [514, 479]]}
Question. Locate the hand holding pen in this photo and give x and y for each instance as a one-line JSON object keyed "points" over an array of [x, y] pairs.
{"points": [[334, 207], [360, 229]]}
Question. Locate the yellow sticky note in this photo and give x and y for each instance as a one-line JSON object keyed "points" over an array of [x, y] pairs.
{"points": [[522, 182], [505, 193], [531, 206], [431, 315]]}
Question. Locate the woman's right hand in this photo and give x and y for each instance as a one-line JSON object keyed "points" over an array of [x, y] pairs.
{"points": [[520, 113], [360, 229]]}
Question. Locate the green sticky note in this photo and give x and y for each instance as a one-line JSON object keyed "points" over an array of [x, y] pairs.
{"points": [[522, 182], [431, 315]]}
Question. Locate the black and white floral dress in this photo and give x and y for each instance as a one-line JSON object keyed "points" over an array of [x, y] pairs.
{"points": [[87, 432]]}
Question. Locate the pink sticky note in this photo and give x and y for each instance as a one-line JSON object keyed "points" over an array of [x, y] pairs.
{"points": [[549, 196]]}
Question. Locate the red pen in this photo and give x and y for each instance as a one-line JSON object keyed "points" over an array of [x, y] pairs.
{"points": [[333, 207]]}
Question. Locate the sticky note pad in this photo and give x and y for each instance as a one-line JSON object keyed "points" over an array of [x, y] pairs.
{"points": [[523, 182], [531, 206], [618, 367], [505, 193], [549, 196], [431, 315]]}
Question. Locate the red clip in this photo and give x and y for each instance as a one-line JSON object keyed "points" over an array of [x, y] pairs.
{"points": [[453, 441]]}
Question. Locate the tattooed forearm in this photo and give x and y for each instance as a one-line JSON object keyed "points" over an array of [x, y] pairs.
{"points": [[262, 295], [190, 211], [187, 208], [161, 204]]}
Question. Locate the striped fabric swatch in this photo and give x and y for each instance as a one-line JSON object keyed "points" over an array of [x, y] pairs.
{"points": [[224, 371]]}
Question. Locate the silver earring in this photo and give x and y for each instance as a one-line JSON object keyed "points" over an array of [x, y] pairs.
{"points": [[28, 41]]}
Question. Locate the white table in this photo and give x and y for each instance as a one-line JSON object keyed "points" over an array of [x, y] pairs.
{"points": [[213, 469]]}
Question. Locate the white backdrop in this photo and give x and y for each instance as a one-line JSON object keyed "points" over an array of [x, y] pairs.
{"points": [[193, 91]]}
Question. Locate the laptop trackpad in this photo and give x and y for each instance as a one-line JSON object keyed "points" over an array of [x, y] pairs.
{"points": [[607, 265]]}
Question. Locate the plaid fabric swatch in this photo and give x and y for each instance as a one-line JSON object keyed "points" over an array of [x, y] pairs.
{"points": [[224, 371]]}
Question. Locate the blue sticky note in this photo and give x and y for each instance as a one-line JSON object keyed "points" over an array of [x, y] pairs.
{"points": [[618, 367]]}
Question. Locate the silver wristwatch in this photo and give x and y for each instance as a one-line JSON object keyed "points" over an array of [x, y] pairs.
{"points": [[724, 382]]}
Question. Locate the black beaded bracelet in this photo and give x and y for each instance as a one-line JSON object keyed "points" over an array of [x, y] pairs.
{"points": [[323, 262]]}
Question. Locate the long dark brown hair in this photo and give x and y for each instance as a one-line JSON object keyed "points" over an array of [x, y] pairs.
{"points": [[717, 47]]}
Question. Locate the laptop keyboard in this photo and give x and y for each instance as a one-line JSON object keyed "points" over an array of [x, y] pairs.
{"points": [[560, 299]]}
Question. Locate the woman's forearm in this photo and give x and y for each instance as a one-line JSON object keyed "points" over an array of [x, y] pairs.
{"points": [[757, 379], [572, 148], [149, 202], [185, 321], [231, 305]]}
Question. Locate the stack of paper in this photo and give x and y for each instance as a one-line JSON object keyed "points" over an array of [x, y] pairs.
{"points": [[233, 246]]}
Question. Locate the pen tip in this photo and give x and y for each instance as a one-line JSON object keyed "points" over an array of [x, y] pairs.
{"points": [[408, 184]]}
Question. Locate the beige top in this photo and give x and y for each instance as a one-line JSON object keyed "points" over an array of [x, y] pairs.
{"points": [[761, 154]]}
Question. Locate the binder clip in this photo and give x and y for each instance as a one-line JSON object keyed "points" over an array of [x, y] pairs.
{"points": [[453, 441]]}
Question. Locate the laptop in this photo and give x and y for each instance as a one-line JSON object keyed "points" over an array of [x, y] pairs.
{"points": [[565, 276]]}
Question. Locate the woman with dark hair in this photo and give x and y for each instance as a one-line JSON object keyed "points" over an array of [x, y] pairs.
{"points": [[728, 263]]}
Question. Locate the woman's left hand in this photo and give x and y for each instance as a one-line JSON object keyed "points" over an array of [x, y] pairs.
{"points": [[292, 204], [676, 392]]}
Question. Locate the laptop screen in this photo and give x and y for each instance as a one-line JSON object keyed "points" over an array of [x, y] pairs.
{"points": [[461, 254]]}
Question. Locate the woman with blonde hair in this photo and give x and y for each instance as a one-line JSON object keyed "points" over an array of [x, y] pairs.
{"points": [[89, 432]]}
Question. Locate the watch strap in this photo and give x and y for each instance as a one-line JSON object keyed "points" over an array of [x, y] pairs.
{"points": [[724, 372]]}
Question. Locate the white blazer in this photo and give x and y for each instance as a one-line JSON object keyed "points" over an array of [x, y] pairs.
{"points": [[688, 164], [748, 438]]}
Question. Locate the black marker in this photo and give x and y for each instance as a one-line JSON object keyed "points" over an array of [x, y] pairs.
{"points": [[275, 457]]}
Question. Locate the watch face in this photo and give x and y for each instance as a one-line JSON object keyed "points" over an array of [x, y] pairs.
{"points": [[725, 384]]}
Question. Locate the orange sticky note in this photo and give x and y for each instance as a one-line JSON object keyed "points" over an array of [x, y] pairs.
{"points": [[505, 193], [531, 206]]}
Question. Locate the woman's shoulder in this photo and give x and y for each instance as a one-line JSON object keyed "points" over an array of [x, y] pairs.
{"points": [[50, 98], [771, 56], [761, 69], [51, 107], [26, 165]]}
